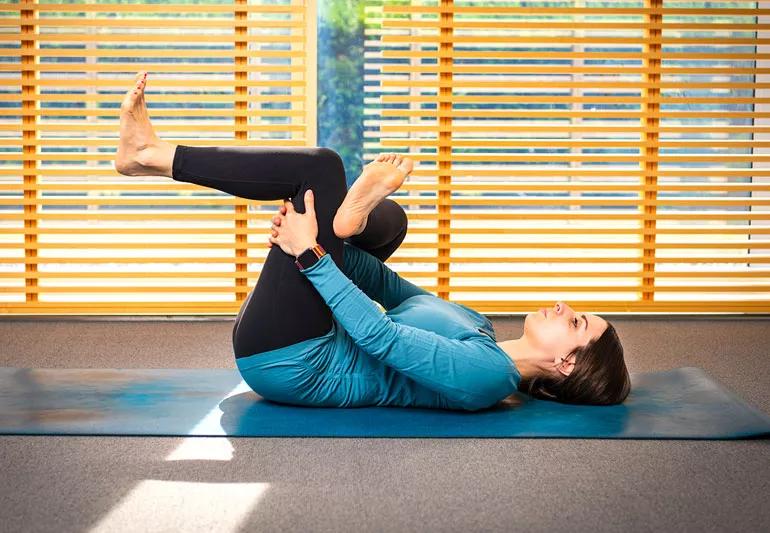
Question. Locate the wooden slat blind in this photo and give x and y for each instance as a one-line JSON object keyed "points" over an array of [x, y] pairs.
{"points": [[610, 154], [76, 237]]}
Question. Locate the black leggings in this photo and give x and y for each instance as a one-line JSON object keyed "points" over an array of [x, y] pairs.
{"points": [[284, 307]]}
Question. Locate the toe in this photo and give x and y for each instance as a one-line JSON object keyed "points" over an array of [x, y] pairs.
{"points": [[391, 158], [140, 81], [381, 157], [398, 160]]}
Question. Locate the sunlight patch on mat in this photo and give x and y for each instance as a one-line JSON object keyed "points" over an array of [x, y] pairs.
{"points": [[207, 448]]}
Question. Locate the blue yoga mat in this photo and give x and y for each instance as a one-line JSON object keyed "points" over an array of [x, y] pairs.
{"points": [[684, 403]]}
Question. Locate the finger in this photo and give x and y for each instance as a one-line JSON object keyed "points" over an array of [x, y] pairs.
{"points": [[277, 220], [275, 233], [289, 206], [309, 202], [283, 209]]}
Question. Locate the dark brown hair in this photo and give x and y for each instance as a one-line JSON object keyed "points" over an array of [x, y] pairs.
{"points": [[600, 376]]}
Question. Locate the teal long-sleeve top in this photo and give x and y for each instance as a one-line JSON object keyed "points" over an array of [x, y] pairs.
{"points": [[422, 352]]}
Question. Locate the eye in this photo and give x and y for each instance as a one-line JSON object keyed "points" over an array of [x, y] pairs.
{"points": [[576, 322]]}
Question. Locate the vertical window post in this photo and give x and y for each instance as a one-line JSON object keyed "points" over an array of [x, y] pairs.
{"points": [[29, 136], [650, 140], [444, 155], [241, 207]]}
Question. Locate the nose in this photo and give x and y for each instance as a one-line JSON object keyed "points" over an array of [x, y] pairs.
{"points": [[560, 307]]}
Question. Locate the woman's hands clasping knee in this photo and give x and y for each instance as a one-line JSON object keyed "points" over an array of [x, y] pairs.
{"points": [[295, 232]]}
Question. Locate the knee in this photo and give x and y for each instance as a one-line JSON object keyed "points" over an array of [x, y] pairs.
{"points": [[328, 167], [321, 152], [327, 156], [397, 213]]}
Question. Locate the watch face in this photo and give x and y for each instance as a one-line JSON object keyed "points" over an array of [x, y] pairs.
{"points": [[307, 259], [310, 257]]}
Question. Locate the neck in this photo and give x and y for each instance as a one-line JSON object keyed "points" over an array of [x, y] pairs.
{"points": [[529, 362]]}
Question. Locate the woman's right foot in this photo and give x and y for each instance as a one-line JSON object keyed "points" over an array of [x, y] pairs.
{"points": [[381, 177], [140, 150]]}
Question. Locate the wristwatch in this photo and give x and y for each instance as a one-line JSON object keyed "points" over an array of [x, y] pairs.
{"points": [[310, 257]]}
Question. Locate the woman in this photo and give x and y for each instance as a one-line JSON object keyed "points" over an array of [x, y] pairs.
{"points": [[310, 333]]}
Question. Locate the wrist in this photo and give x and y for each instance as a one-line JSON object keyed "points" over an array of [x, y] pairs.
{"points": [[297, 251]]}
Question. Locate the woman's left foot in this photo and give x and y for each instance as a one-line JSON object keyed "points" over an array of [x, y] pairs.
{"points": [[381, 177]]}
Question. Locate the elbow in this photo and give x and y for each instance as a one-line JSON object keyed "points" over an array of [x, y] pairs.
{"points": [[489, 396], [476, 403]]}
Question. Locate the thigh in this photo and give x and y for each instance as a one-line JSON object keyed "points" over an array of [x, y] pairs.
{"points": [[284, 307]]}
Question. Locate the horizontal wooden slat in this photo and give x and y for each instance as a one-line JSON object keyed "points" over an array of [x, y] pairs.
{"points": [[158, 81], [160, 22], [158, 290], [632, 158], [597, 26], [157, 113], [262, 231], [549, 99], [636, 56], [178, 98], [548, 39], [564, 10], [507, 274], [482, 306], [555, 84], [211, 38], [465, 214], [165, 8], [476, 185], [530, 170], [205, 68], [77, 128], [678, 306], [475, 245], [432, 259], [168, 54], [624, 70], [508, 114], [540, 201]]}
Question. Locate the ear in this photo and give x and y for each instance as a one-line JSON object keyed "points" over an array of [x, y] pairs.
{"points": [[566, 364]]}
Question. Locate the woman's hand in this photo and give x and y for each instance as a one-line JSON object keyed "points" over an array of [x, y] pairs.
{"points": [[295, 232]]}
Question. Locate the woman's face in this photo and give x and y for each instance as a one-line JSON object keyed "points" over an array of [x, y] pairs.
{"points": [[558, 330]]}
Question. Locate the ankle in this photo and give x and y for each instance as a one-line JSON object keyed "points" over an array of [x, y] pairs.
{"points": [[163, 158]]}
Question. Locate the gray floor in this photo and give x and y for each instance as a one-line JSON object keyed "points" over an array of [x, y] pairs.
{"points": [[318, 484]]}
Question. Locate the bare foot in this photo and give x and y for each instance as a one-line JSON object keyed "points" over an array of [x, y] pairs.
{"points": [[378, 179], [140, 151]]}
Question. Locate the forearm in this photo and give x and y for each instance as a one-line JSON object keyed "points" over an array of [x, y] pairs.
{"points": [[466, 371], [376, 279]]}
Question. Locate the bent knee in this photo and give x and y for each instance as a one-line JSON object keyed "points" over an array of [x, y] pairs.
{"points": [[327, 169]]}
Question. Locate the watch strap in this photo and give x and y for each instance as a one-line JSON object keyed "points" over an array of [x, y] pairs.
{"points": [[309, 257]]}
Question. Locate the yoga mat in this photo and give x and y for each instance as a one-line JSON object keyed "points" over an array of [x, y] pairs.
{"points": [[683, 403]]}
